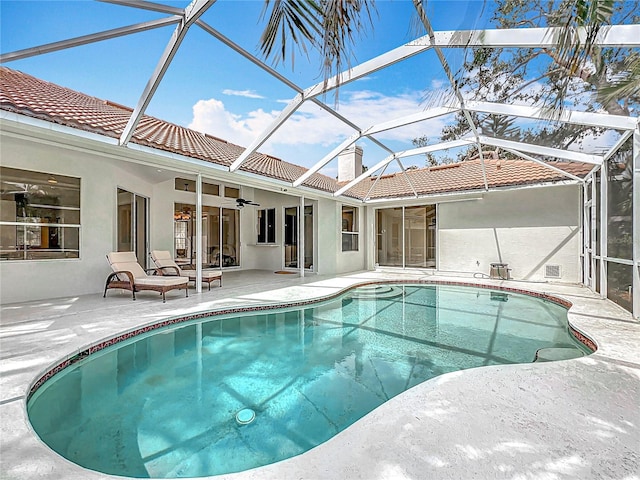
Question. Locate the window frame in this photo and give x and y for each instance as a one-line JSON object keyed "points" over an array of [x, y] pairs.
{"points": [[54, 196], [269, 237], [350, 234]]}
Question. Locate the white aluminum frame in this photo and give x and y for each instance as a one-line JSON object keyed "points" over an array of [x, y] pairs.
{"points": [[627, 36]]}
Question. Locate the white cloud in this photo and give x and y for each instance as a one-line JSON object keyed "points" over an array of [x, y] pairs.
{"points": [[242, 93], [311, 125], [211, 116], [596, 143]]}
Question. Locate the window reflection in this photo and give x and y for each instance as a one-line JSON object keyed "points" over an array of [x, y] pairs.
{"points": [[39, 215], [220, 236], [406, 237]]}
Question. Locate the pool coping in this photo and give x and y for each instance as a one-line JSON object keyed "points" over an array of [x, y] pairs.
{"points": [[344, 456]]}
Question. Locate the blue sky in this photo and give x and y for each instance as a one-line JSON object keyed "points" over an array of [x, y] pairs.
{"points": [[210, 88]]}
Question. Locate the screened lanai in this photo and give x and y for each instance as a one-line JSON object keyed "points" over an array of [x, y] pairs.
{"points": [[470, 105]]}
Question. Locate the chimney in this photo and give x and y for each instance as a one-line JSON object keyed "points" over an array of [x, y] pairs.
{"points": [[349, 163]]}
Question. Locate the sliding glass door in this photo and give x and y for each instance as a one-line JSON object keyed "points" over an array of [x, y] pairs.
{"points": [[406, 236], [133, 225], [291, 237], [389, 237], [220, 236]]}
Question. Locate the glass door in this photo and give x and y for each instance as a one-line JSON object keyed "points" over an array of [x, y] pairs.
{"points": [[220, 236], [389, 248], [230, 233], [308, 237], [419, 236], [291, 237], [406, 237], [133, 225]]}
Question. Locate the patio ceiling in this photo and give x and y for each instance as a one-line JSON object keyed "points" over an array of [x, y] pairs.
{"points": [[626, 36]]}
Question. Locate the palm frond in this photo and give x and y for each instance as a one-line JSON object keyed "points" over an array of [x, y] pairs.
{"points": [[573, 50], [342, 19], [628, 85], [298, 21], [326, 25]]}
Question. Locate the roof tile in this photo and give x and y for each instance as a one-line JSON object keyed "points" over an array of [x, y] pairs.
{"points": [[27, 95]]}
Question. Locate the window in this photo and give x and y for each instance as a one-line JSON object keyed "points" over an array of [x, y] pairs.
{"points": [[349, 229], [186, 185], [267, 225], [231, 192], [39, 215]]}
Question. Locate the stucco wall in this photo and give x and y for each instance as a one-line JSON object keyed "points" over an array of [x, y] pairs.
{"points": [[33, 280], [355, 260], [263, 257], [526, 228], [326, 244], [268, 256]]}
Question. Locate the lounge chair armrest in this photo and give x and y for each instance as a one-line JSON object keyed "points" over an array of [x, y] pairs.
{"points": [[116, 276], [169, 271]]}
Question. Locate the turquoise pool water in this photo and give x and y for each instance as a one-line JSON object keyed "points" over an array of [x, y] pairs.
{"points": [[227, 394]]}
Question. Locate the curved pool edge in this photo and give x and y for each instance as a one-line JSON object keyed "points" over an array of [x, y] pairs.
{"points": [[95, 347], [346, 456]]}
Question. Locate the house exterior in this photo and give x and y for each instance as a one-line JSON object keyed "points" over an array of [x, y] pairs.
{"points": [[71, 194]]}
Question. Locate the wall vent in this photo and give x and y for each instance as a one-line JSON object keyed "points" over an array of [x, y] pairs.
{"points": [[552, 271]]}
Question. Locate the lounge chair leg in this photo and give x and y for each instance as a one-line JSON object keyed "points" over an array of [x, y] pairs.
{"points": [[164, 300], [186, 291]]}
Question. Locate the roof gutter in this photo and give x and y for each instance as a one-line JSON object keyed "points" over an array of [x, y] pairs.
{"points": [[470, 195], [24, 126]]}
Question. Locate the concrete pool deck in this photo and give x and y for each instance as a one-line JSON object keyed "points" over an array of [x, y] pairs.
{"points": [[571, 419]]}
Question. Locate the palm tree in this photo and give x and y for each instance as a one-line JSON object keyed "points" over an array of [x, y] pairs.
{"points": [[330, 26]]}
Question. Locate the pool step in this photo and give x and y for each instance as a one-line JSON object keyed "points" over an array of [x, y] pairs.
{"points": [[373, 292], [553, 354]]}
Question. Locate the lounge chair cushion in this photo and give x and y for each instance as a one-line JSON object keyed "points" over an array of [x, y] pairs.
{"points": [[206, 274], [159, 280], [162, 259], [126, 262]]}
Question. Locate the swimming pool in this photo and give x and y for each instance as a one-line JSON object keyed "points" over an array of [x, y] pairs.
{"points": [[164, 404]]}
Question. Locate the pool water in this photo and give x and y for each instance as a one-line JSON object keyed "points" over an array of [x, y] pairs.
{"points": [[227, 394]]}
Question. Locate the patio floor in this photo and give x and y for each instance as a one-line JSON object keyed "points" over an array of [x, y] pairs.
{"points": [[573, 419]]}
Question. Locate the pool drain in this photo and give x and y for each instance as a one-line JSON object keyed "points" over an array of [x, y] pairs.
{"points": [[245, 416]]}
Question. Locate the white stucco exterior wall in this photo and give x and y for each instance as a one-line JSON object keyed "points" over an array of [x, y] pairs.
{"points": [[327, 244], [355, 260], [99, 181], [526, 228], [268, 256]]}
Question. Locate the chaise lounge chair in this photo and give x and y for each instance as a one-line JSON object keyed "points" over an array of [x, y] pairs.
{"points": [[165, 263], [129, 275]]}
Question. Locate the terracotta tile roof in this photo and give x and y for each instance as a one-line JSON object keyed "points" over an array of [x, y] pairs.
{"points": [[27, 95], [466, 176]]}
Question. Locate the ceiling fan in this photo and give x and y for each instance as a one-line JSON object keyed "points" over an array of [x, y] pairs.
{"points": [[241, 202], [21, 188]]}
